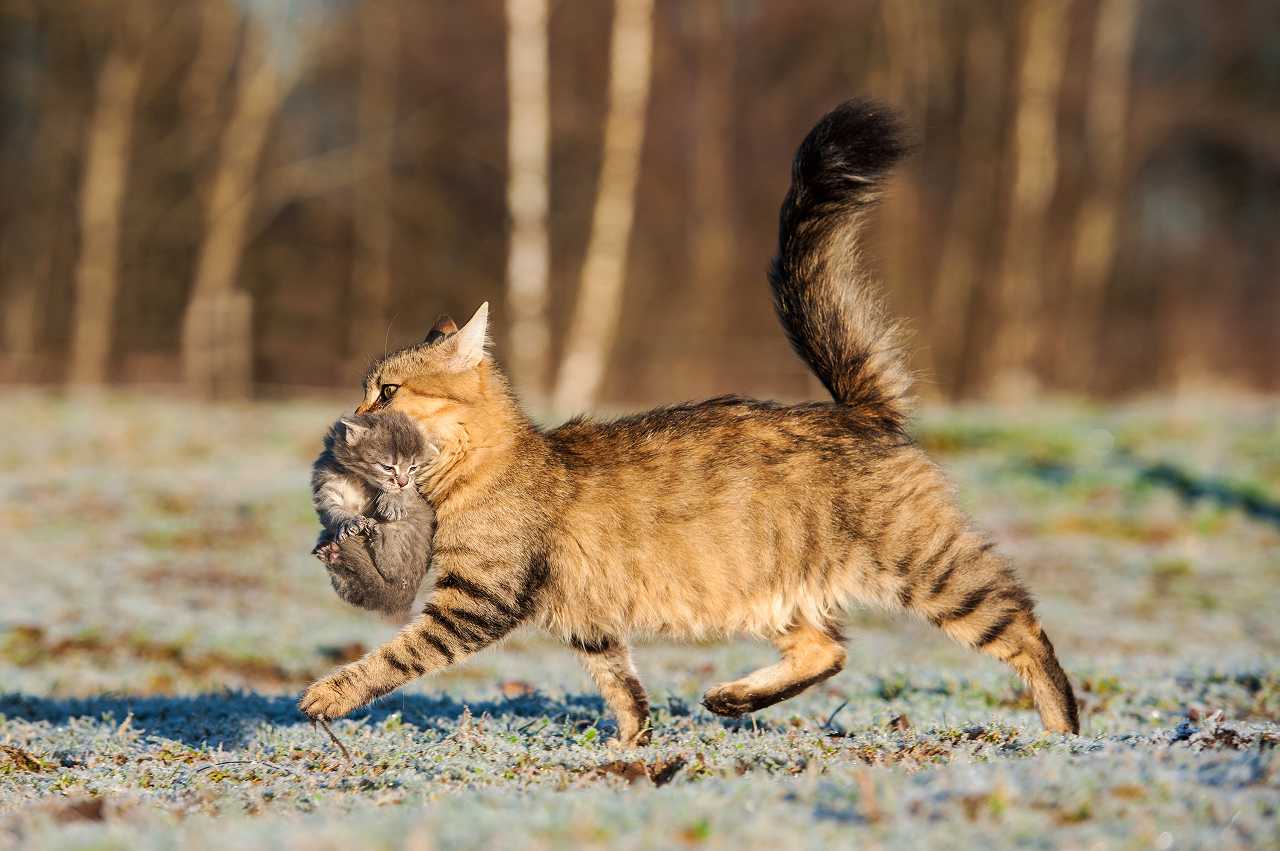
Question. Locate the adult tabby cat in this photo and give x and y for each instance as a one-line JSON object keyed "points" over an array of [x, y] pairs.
{"points": [[730, 516]]}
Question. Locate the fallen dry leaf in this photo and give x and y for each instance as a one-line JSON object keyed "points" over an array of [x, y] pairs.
{"points": [[660, 772], [22, 759], [80, 809], [512, 689]]}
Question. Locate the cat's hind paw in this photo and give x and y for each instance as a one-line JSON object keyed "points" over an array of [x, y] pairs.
{"points": [[328, 552]]}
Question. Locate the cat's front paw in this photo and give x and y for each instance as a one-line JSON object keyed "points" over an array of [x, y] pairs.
{"points": [[390, 507], [331, 697], [360, 525]]}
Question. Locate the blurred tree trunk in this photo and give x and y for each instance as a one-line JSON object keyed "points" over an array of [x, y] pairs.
{"points": [[214, 61], [595, 316], [911, 53], [217, 344], [1019, 285], [22, 313], [101, 200], [32, 237], [371, 283], [950, 311], [528, 195], [711, 245], [1094, 246]]}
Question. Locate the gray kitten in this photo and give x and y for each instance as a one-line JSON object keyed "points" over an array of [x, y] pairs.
{"points": [[376, 541]]}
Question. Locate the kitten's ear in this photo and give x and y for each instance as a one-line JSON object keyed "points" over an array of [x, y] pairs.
{"points": [[353, 432], [443, 328], [469, 342]]}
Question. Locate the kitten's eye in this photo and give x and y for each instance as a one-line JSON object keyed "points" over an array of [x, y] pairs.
{"points": [[388, 390], [387, 467], [413, 468]]}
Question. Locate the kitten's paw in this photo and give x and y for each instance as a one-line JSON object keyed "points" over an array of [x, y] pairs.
{"points": [[331, 697], [361, 525], [390, 507], [328, 552]]}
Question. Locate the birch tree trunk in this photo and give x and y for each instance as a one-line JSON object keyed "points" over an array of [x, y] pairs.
{"points": [[1035, 170], [599, 304], [371, 284], [951, 308], [106, 167], [1094, 245], [217, 329], [711, 245], [528, 195]]}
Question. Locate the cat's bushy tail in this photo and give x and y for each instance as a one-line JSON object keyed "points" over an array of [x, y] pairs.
{"points": [[822, 290]]}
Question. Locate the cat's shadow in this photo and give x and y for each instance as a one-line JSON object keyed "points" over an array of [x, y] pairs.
{"points": [[229, 719]]}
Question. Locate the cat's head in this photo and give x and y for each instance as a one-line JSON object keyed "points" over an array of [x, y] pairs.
{"points": [[449, 386], [385, 449]]}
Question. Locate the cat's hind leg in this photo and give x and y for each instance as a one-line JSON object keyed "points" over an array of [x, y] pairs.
{"points": [[809, 655], [609, 663], [353, 572]]}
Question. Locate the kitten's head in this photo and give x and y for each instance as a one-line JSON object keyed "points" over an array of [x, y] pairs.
{"points": [[385, 449], [448, 385]]}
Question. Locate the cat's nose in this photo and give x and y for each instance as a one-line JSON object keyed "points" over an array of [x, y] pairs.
{"points": [[403, 481]]}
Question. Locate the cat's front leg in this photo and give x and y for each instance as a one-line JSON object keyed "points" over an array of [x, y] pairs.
{"points": [[469, 610], [355, 524]]}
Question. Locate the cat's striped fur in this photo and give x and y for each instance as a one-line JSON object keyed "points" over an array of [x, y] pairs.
{"points": [[726, 517]]}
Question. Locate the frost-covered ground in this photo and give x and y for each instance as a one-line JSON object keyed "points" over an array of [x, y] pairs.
{"points": [[158, 611]]}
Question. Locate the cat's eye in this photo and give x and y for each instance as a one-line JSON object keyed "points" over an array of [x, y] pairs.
{"points": [[413, 468], [388, 468], [388, 390]]}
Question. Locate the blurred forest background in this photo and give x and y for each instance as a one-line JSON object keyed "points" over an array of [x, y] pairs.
{"points": [[252, 197]]}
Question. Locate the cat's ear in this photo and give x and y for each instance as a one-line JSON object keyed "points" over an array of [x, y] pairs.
{"points": [[443, 328], [353, 432], [468, 343]]}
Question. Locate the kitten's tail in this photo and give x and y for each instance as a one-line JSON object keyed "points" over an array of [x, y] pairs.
{"points": [[821, 289]]}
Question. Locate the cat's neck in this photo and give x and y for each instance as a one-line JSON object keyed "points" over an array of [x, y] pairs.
{"points": [[497, 442]]}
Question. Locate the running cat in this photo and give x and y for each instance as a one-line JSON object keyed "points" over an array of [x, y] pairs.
{"points": [[726, 517]]}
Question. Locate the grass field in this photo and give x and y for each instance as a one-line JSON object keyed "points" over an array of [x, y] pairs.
{"points": [[160, 612]]}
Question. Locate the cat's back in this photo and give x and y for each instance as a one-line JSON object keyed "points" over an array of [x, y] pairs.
{"points": [[731, 429]]}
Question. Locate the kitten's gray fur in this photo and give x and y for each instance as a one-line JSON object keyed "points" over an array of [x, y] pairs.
{"points": [[376, 542]]}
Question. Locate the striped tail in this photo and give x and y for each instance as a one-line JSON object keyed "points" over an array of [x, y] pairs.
{"points": [[822, 290]]}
